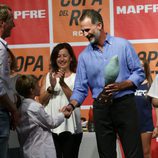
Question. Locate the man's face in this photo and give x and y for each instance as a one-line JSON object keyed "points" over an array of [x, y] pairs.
{"points": [[7, 26], [90, 31]]}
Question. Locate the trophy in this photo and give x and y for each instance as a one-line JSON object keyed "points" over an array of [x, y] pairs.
{"points": [[111, 72]]}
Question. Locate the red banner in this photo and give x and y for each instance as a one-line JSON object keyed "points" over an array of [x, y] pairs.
{"points": [[41, 24], [136, 19], [31, 21]]}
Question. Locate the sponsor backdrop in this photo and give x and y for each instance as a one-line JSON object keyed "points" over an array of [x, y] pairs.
{"points": [[41, 24]]}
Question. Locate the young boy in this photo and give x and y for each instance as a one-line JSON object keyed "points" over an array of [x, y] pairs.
{"points": [[34, 133], [153, 93]]}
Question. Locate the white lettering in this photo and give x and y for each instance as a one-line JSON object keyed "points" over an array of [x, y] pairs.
{"points": [[155, 8], [141, 93], [32, 14], [25, 13], [148, 7], [120, 10], [42, 13], [131, 9], [138, 9], [16, 14], [77, 33], [74, 33]]}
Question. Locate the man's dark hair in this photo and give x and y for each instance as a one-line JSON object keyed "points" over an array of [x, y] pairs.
{"points": [[4, 14], [93, 15]]}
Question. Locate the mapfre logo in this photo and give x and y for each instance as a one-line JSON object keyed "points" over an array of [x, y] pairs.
{"points": [[136, 20], [31, 21], [30, 14], [137, 9]]}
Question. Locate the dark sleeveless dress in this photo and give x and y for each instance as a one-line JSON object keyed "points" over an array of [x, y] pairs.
{"points": [[144, 107]]}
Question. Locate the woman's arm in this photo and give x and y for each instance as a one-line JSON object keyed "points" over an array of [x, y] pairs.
{"points": [[155, 131], [155, 102], [65, 88], [45, 95]]}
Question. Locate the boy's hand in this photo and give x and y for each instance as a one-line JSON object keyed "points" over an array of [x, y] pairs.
{"points": [[66, 112]]}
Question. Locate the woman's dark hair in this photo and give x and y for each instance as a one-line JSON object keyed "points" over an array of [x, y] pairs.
{"points": [[25, 83], [147, 71], [54, 56]]}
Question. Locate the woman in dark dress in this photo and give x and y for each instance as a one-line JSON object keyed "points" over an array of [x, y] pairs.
{"points": [[144, 108]]}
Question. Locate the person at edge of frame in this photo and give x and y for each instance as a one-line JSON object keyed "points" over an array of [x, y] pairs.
{"points": [[9, 115], [144, 107], [119, 115], [153, 93]]}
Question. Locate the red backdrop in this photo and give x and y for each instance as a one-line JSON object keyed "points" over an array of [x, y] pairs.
{"points": [[40, 24]]}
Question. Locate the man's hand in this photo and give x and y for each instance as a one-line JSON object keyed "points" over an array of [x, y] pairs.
{"points": [[67, 111], [11, 107], [104, 97], [112, 88], [115, 87]]}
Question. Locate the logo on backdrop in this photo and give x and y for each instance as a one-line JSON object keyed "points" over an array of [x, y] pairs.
{"points": [[30, 14], [149, 51], [139, 18], [31, 21], [32, 60], [151, 57], [66, 18]]}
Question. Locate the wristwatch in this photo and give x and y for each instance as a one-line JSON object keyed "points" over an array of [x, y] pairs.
{"points": [[50, 90], [73, 107]]}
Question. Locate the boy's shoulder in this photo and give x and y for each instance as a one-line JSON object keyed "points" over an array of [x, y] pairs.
{"points": [[31, 105]]}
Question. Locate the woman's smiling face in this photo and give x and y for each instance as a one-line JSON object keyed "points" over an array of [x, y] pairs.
{"points": [[63, 59]]}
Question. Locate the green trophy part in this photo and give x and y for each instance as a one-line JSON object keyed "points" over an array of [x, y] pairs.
{"points": [[111, 72]]}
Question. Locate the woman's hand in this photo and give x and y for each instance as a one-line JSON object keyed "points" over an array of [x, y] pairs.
{"points": [[52, 79], [155, 132], [61, 75]]}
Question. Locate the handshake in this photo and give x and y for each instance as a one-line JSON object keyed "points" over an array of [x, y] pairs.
{"points": [[67, 110]]}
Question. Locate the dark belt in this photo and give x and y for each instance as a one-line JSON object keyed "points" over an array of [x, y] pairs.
{"points": [[111, 100], [103, 98], [123, 97], [3, 109]]}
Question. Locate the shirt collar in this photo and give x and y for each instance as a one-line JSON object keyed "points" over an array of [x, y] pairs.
{"points": [[108, 40], [4, 42]]}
